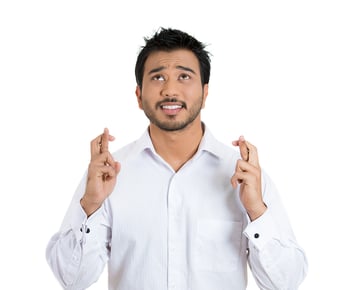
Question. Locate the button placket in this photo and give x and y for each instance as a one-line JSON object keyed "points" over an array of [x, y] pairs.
{"points": [[84, 230], [174, 236]]}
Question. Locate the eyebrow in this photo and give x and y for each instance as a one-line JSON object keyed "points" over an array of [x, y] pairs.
{"points": [[180, 67]]}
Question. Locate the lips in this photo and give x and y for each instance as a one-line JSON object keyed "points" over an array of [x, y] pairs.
{"points": [[172, 109]]}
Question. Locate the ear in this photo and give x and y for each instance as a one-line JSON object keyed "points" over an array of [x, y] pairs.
{"points": [[205, 94], [139, 96]]}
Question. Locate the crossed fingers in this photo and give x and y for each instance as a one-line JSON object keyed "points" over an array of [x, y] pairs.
{"points": [[249, 166], [100, 154], [248, 151]]}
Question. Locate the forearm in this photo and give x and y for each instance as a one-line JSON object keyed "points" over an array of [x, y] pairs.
{"points": [[79, 252], [64, 255], [276, 260], [278, 267]]}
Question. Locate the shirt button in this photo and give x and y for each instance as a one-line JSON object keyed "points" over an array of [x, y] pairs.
{"points": [[256, 235], [87, 230]]}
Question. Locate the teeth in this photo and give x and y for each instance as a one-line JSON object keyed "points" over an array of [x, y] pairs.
{"points": [[172, 107]]}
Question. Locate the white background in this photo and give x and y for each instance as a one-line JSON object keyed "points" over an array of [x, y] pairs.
{"points": [[280, 76]]}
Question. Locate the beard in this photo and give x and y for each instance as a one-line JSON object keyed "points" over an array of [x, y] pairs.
{"points": [[170, 123]]}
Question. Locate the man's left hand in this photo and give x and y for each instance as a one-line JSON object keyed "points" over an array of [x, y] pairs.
{"points": [[248, 175]]}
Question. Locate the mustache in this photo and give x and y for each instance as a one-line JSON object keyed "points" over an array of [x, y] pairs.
{"points": [[171, 100]]}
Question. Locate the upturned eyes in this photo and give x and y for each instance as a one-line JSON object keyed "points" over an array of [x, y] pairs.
{"points": [[162, 78], [158, 78]]}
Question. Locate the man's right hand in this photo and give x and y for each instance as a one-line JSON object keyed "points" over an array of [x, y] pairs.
{"points": [[102, 174]]}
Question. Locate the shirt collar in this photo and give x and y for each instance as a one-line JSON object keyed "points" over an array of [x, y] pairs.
{"points": [[144, 143], [208, 144]]}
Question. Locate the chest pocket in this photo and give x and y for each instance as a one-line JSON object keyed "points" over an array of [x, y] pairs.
{"points": [[218, 245]]}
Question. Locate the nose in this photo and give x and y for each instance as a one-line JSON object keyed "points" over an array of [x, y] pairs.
{"points": [[170, 89]]}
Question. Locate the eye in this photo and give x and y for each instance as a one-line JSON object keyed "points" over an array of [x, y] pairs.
{"points": [[158, 78], [184, 77]]}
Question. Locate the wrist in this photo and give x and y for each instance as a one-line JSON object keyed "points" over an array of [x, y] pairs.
{"points": [[257, 212], [88, 206]]}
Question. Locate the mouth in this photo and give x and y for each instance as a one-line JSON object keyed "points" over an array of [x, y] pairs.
{"points": [[171, 109]]}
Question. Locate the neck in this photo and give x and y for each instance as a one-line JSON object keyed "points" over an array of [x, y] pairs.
{"points": [[177, 147]]}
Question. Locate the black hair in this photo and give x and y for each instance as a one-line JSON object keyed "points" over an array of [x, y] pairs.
{"points": [[167, 39]]}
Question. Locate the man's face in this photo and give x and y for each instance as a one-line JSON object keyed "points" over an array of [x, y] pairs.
{"points": [[172, 94]]}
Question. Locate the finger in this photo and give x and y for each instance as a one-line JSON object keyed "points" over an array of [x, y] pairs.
{"points": [[244, 166], [110, 171], [243, 177], [252, 154], [240, 177], [101, 140], [243, 148], [248, 151], [244, 173], [104, 141], [117, 167], [105, 172], [237, 179], [103, 164], [95, 147], [105, 158]]}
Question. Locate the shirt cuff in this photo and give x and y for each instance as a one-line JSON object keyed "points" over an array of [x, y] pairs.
{"points": [[262, 230], [77, 221], [82, 225]]}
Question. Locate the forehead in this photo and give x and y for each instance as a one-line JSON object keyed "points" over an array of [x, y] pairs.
{"points": [[170, 59]]}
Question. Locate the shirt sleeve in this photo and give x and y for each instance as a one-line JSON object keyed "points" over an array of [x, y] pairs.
{"points": [[78, 253], [275, 258]]}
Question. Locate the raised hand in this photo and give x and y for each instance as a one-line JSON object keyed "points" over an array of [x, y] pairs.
{"points": [[102, 173], [248, 175]]}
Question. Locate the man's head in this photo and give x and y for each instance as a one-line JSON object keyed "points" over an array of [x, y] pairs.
{"points": [[169, 40], [172, 73]]}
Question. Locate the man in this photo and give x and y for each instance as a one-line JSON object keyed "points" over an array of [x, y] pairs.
{"points": [[175, 209]]}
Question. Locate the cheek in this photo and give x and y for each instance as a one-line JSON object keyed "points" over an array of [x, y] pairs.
{"points": [[148, 96], [194, 93]]}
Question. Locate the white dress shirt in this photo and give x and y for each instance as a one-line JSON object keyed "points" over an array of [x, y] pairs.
{"points": [[186, 230]]}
